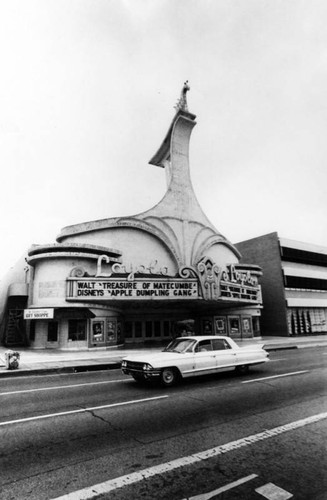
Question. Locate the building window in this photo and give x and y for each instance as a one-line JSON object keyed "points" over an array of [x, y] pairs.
{"points": [[77, 329], [32, 330], [53, 331], [138, 329], [166, 328], [148, 329], [157, 329], [128, 329]]}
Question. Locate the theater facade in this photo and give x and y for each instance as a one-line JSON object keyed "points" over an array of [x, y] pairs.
{"points": [[142, 279]]}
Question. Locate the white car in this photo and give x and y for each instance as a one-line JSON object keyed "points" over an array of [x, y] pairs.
{"points": [[191, 356]]}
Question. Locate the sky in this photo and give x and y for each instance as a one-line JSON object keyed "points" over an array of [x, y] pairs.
{"points": [[87, 94]]}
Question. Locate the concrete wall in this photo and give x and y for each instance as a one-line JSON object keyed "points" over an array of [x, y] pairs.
{"points": [[49, 283], [265, 252], [139, 247], [222, 255]]}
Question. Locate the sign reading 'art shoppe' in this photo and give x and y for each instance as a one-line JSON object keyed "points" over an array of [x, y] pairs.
{"points": [[89, 288]]}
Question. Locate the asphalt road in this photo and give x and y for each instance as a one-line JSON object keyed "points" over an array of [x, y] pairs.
{"points": [[262, 435]]}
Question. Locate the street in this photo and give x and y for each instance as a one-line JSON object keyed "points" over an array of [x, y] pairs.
{"points": [[226, 436]]}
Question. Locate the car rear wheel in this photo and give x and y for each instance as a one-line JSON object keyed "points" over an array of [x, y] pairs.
{"points": [[242, 369], [169, 377]]}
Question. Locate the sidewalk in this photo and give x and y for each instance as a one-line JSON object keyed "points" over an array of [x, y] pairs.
{"points": [[38, 362]]}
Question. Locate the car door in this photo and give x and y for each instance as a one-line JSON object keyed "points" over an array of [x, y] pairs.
{"points": [[225, 355], [204, 358]]}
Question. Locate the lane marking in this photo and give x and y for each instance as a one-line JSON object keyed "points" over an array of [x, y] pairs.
{"points": [[274, 376], [211, 494], [81, 410], [63, 387], [119, 482], [273, 492]]}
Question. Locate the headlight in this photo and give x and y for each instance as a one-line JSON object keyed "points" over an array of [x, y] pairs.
{"points": [[124, 364], [146, 366]]}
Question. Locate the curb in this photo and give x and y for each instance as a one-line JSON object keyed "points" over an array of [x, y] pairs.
{"points": [[115, 365], [280, 348], [61, 369]]}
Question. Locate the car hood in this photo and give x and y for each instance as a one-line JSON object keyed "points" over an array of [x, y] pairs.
{"points": [[154, 359]]}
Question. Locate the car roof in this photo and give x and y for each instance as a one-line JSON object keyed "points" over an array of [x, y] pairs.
{"points": [[202, 337]]}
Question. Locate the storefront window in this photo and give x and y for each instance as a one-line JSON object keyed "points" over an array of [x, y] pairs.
{"points": [[111, 330], [97, 331], [306, 321], [148, 329], [138, 329], [76, 329], [247, 325], [166, 328], [221, 325], [234, 325], [256, 326], [53, 331], [128, 329], [119, 330], [207, 327]]}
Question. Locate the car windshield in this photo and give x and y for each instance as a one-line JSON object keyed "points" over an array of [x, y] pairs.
{"points": [[180, 345]]}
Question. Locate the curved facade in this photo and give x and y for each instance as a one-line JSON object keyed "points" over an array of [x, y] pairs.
{"points": [[142, 278]]}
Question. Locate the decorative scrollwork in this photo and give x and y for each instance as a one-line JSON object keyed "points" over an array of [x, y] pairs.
{"points": [[77, 272], [187, 272], [209, 273]]}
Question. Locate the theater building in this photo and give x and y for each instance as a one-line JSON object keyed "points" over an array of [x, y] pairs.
{"points": [[137, 279], [294, 284]]}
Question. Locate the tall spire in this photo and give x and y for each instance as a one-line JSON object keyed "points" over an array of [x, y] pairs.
{"points": [[178, 219], [182, 101]]}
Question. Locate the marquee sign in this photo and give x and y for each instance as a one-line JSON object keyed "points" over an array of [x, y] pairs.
{"points": [[206, 281], [104, 289]]}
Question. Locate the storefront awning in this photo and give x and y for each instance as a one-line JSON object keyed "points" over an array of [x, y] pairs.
{"points": [[73, 313]]}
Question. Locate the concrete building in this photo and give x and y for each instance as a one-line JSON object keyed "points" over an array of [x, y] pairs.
{"points": [[137, 279], [294, 284]]}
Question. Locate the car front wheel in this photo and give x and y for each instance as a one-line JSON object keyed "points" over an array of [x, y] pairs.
{"points": [[168, 377], [138, 378]]}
